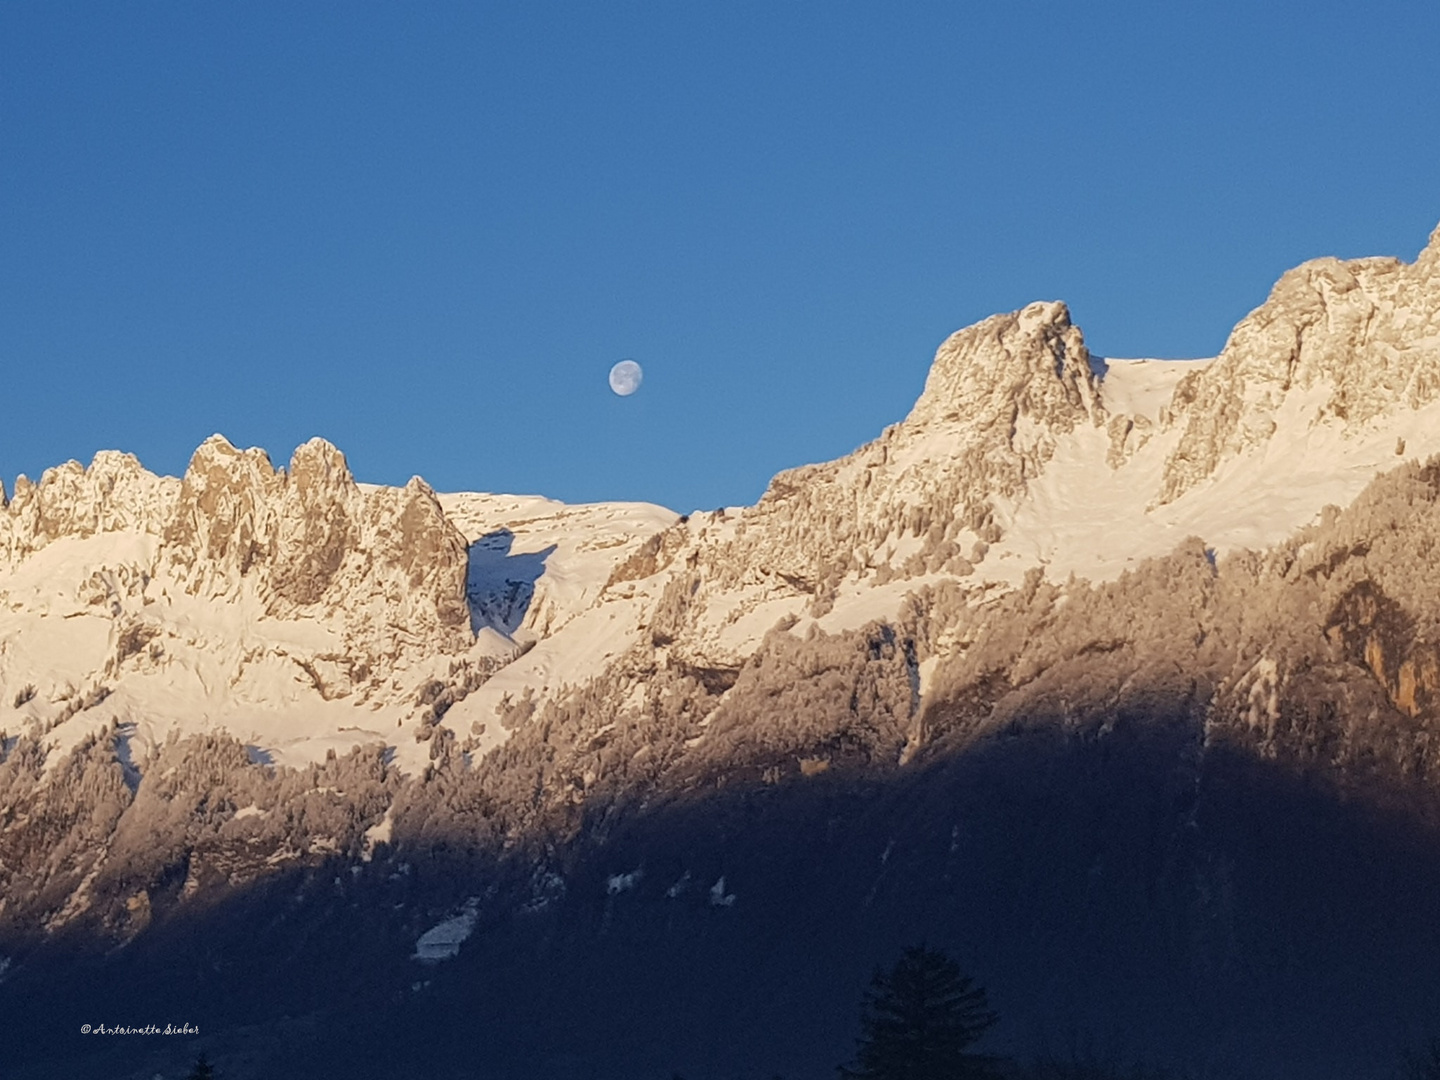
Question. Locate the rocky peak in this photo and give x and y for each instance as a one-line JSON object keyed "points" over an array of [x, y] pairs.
{"points": [[317, 466], [221, 524], [414, 556], [1031, 363], [998, 395], [385, 562], [925, 497], [1429, 258], [1355, 339], [115, 493], [314, 525], [382, 567]]}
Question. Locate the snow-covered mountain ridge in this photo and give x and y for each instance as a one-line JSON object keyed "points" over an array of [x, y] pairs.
{"points": [[295, 609], [303, 612], [1026, 451]]}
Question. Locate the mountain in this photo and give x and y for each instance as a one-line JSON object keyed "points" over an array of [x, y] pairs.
{"points": [[1120, 678]]}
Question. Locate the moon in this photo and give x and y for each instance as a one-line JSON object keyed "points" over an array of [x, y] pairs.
{"points": [[625, 377]]}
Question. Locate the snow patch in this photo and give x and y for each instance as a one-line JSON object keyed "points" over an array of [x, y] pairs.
{"points": [[719, 897], [379, 833], [618, 883], [443, 940]]}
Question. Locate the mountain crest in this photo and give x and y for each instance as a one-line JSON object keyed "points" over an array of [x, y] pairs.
{"points": [[1337, 342], [115, 493], [1031, 363], [310, 538]]}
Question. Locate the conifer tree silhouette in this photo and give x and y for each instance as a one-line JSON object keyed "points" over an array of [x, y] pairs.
{"points": [[918, 1021]]}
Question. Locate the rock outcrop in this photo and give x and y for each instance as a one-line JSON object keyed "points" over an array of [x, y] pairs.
{"points": [[237, 573], [115, 494], [1360, 338], [386, 563], [998, 396]]}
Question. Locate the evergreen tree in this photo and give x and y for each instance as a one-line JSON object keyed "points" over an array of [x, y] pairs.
{"points": [[918, 1021], [203, 1070]]}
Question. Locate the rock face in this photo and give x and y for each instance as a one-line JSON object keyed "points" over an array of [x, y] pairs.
{"points": [[998, 397], [385, 563], [115, 494], [291, 609], [1026, 451], [1354, 340]]}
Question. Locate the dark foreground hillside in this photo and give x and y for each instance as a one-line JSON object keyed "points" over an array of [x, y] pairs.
{"points": [[1260, 926]]}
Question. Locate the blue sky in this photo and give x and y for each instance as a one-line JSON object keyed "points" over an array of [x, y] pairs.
{"points": [[425, 232]]}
